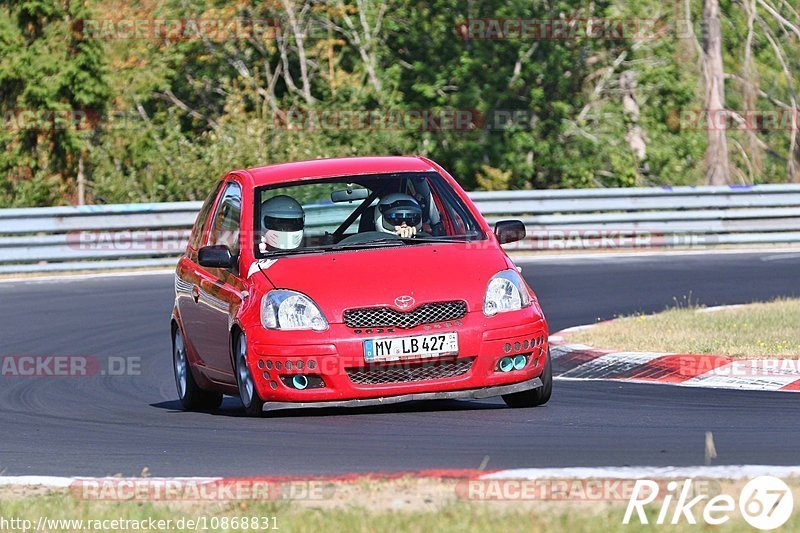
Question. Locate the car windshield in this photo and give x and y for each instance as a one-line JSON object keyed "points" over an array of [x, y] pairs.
{"points": [[362, 211]]}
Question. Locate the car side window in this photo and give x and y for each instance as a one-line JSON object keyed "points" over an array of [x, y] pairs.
{"points": [[225, 227], [202, 216]]}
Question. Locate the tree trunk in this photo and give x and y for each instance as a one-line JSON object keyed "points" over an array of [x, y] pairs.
{"points": [[635, 137], [750, 89], [81, 181], [299, 39], [794, 174], [718, 170]]}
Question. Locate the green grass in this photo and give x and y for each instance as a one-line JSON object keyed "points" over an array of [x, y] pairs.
{"points": [[474, 517], [769, 329]]}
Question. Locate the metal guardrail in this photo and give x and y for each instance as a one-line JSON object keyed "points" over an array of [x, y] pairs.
{"points": [[130, 235]]}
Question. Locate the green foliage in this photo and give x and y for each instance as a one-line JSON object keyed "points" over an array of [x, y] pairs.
{"points": [[492, 179], [166, 115], [53, 83]]}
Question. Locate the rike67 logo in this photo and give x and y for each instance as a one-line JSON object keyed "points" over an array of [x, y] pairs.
{"points": [[765, 503]]}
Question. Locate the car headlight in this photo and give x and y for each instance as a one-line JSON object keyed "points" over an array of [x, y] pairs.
{"points": [[290, 310], [506, 292]]}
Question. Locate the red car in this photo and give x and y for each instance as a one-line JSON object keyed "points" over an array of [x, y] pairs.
{"points": [[349, 282]]}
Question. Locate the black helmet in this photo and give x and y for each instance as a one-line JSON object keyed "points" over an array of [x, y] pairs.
{"points": [[395, 209], [283, 219]]}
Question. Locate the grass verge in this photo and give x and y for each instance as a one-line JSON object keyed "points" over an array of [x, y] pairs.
{"points": [[754, 330], [408, 505]]}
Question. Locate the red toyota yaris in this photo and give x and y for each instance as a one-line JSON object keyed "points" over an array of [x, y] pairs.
{"points": [[348, 282]]}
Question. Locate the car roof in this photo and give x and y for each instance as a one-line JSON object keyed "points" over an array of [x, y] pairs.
{"points": [[341, 166]]}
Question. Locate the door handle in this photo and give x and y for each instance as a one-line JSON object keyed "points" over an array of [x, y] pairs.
{"points": [[195, 293]]}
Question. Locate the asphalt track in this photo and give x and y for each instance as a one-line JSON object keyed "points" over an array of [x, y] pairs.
{"points": [[104, 425]]}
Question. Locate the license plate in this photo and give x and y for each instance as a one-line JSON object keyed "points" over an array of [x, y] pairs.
{"points": [[419, 346]]}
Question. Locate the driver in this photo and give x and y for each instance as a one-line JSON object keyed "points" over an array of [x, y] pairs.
{"points": [[283, 219], [399, 214]]}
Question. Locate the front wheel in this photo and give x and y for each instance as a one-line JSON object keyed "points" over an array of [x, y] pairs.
{"points": [[537, 396], [192, 397], [253, 404]]}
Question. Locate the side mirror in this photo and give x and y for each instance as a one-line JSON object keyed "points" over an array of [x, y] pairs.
{"points": [[217, 256], [508, 231]]}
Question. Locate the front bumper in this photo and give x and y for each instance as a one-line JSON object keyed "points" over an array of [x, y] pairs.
{"points": [[472, 394], [334, 355]]}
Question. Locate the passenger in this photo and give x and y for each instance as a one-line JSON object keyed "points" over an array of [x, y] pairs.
{"points": [[284, 219]]}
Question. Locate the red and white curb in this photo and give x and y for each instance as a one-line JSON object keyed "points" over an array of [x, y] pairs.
{"points": [[648, 472], [626, 472], [71, 482], [580, 362]]}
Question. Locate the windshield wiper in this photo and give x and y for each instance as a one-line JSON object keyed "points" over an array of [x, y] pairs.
{"points": [[367, 244], [433, 240], [377, 243], [333, 247], [406, 240], [296, 251]]}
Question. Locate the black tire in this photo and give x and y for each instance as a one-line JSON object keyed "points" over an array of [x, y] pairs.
{"points": [[252, 402], [534, 397], [192, 397]]}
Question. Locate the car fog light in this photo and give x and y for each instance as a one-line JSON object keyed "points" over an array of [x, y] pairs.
{"points": [[519, 362], [506, 364], [300, 382]]}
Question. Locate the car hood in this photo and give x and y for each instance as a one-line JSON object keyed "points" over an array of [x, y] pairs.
{"points": [[338, 281]]}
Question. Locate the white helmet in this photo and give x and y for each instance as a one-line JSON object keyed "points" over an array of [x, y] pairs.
{"points": [[395, 209], [283, 219]]}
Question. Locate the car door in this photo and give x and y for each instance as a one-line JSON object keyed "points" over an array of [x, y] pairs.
{"points": [[187, 277], [220, 289]]}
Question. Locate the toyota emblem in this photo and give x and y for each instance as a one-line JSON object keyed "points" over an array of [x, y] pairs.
{"points": [[404, 302]]}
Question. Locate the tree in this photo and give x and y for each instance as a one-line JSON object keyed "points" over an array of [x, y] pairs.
{"points": [[718, 170], [56, 79]]}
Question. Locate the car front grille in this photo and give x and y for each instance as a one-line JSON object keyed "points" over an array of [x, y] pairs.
{"points": [[383, 375], [386, 317]]}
